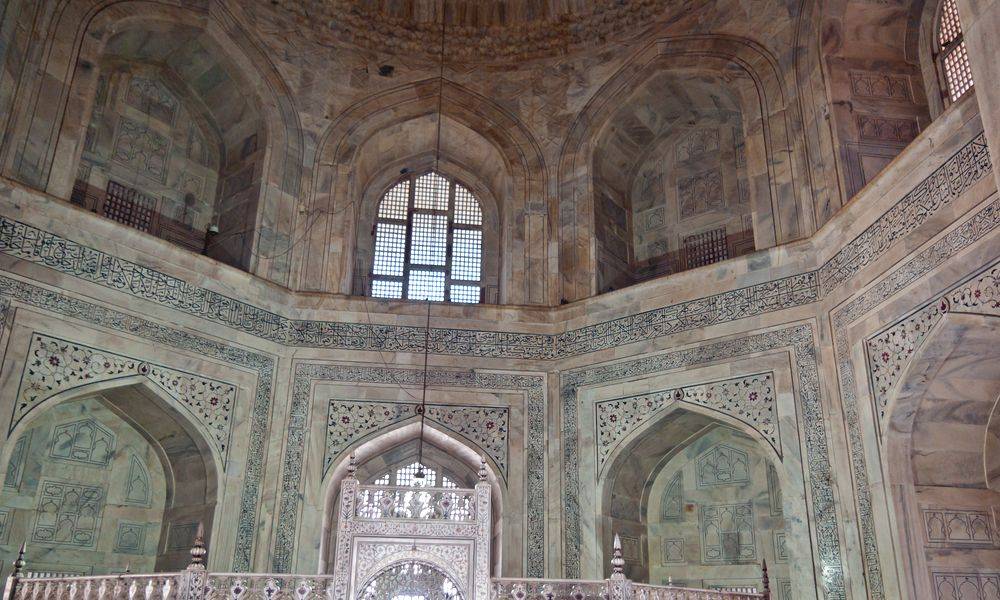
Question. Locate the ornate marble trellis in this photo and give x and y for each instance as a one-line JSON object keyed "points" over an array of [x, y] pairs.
{"points": [[351, 421], [261, 364], [800, 340], [749, 399], [967, 233], [306, 374], [55, 365]]}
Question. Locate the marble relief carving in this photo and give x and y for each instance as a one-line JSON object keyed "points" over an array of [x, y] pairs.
{"points": [[958, 527], [672, 503], [137, 483], [672, 551], [68, 513], [56, 365], [349, 422], [749, 399], [723, 465], [130, 538], [152, 98], [85, 441], [727, 533], [966, 586], [262, 364], [139, 148], [15, 466], [873, 84], [701, 193]]}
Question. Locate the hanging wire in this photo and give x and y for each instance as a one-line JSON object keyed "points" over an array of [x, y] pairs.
{"points": [[427, 330]]}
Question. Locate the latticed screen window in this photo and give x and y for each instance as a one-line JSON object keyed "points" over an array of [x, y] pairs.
{"points": [[428, 242], [129, 206], [406, 476], [706, 248], [952, 56]]}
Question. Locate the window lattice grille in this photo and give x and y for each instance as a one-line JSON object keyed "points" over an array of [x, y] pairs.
{"points": [[953, 55], [428, 242], [129, 206], [706, 248]]}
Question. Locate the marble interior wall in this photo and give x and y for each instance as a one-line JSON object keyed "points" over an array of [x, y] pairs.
{"points": [[256, 371]]}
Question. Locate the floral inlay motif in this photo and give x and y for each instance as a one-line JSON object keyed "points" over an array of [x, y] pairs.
{"points": [[889, 351], [349, 421], [750, 399], [54, 366]]}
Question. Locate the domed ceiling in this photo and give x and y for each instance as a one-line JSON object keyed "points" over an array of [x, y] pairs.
{"points": [[480, 30]]}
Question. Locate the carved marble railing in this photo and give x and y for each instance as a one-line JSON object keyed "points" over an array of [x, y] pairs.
{"points": [[379, 502], [196, 583]]}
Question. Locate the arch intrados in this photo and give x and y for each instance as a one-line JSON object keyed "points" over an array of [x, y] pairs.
{"points": [[359, 122], [625, 447], [78, 50], [101, 390], [389, 177], [434, 562]]}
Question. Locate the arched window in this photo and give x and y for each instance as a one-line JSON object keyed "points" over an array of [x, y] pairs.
{"points": [[951, 54], [428, 242]]}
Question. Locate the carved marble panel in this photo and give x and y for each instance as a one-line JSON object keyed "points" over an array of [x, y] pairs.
{"points": [[701, 193], [958, 527], [727, 533], [68, 514], [672, 503], [85, 441], [875, 84], [130, 538], [723, 465], [152, 98], [966, 586], [137, 483], [672, 551], [15, 467], [142, 150]]}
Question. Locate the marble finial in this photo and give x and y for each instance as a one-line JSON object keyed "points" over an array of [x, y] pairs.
{"points": [[198, 550], [617, 561]]}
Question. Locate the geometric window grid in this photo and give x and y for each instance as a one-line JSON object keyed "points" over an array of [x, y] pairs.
{"points": [[129, 206], [406, 477], [952, 55], [428, 242], [727, 533], [68, 513], [706, 248]]}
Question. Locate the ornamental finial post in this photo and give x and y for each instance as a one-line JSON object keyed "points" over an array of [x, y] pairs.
{"points": [[617, 560], [198, 550], [482, 468], [352, 465], [766, 583], [10, 589], [19, 562]]}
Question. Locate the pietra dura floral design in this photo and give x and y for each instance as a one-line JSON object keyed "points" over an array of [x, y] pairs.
{"points": [[351, 421], [889, 351], [56, 365], [750, 399]]}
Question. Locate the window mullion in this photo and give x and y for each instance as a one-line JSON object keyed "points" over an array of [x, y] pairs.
{"points": [[407, 259], [448, 240]]}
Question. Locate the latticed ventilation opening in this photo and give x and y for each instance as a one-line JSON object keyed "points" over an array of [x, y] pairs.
{"points": [[952, 55], [406, 476], [428, 242]]}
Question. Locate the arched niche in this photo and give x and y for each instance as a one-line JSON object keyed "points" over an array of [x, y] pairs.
{"points": [[873, 84], [781, 190], [681, 176], [107, 476], [729, 506], [202, 56], [477, 135], [397, 446], [465, 156], [939, 460]]}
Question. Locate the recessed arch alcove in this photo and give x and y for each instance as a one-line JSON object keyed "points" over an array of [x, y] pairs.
{"points": [[107, 476], [939, 458], [219, 143], [480, 139], [398, 447]]}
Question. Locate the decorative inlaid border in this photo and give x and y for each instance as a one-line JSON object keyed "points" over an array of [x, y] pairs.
{"points": [[306, 374], [800, 340], [262, 364], [970, 231]]}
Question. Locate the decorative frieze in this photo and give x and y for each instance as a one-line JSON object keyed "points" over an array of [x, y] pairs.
{"points": [[965, 586], [875, 128], [884, 86], [966, 167], [55, 366], [958, 527]]}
